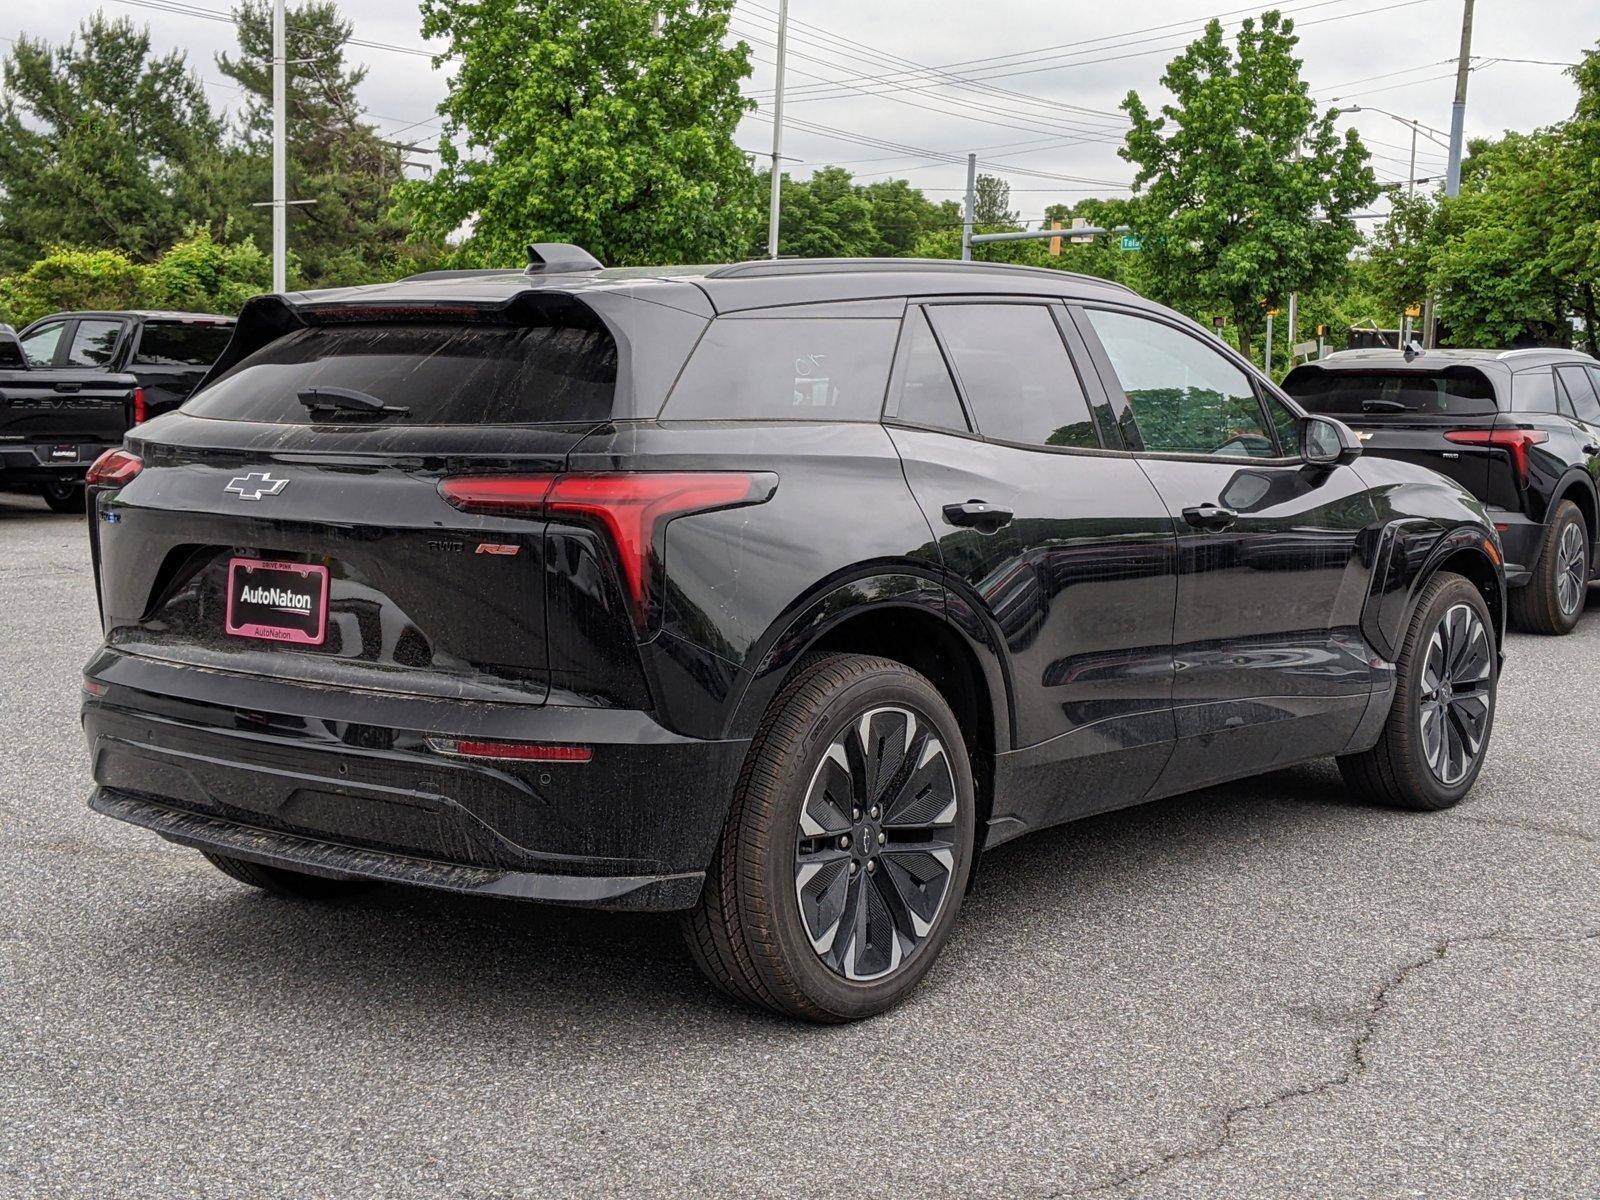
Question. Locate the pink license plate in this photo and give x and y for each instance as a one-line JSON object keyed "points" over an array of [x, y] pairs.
{"points": [[277, 601]]}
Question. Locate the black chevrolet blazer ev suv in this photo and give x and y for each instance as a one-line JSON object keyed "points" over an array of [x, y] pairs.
{"points": [[772, 593]]}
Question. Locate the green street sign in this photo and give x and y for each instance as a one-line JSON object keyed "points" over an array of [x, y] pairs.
{"points": [[1129, 242]]}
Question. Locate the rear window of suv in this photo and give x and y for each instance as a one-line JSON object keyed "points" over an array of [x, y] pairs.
{"points": [[1454, 391], [444, 374]]}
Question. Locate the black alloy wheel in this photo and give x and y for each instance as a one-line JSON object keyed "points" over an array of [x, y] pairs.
{"points": [[846, 853], [1433, 742], [875, 849]]}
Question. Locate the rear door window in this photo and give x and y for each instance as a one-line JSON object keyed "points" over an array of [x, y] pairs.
{"points": [[1186, 397], [1455, 391], [455, 374], [181, 344], [40, 344], [787, 369], [94, 343], [1015, 373]]}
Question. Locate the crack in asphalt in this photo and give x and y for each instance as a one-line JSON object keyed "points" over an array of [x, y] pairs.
{"points": [[1528, 827], [1356, 1062]]}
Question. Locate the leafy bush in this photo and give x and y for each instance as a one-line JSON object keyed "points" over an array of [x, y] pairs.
{"points": [[202, 275], [68, 278]]}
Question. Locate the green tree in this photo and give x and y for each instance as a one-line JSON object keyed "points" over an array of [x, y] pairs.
{"points": [[97, 137], [991, 203], [901, 214], [603, 122], [1243, 193], [825, 217], [336, 157]]}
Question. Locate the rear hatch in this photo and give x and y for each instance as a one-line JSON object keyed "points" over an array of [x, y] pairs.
{"points": [[289, 520], [1437, 417]]}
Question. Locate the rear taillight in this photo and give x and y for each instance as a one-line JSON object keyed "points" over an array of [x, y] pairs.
{"points": [[1516, 441], [113, 469], [631, 507], [141, 413]]}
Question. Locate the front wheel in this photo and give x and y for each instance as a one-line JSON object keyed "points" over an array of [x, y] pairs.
{"points": [[845, 856], [1437, 733]]}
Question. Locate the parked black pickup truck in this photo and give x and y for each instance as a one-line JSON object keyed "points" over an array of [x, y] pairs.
{"points": [[73, 383]]}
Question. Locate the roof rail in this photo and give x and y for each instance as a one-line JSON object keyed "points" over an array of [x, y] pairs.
{"points": [[766, 267], [466, 273], [550, 258]]}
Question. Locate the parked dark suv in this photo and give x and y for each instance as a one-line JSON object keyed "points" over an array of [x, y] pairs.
{"points": [[72, 383], [770, 592], [1520, 429]]}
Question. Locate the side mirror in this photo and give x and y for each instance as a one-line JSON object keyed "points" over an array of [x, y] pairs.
{"points": [[11, 352], [1328, 443]]}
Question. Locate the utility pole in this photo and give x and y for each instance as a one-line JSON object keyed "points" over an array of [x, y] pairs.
{"points": [[971, 209], [777, 132], [280, 186], [1458, 110]]}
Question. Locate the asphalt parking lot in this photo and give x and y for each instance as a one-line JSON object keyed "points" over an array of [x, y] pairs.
{"points": [[1260, 990]]}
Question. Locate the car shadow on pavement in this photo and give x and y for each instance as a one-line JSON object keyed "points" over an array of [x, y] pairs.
{"points": [[419, 955]]}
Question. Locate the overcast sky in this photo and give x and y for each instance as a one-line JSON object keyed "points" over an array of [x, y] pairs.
{"points": [[1045, 106]]}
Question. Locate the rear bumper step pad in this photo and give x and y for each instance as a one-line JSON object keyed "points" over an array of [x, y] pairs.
{"points": [[332, 860]]}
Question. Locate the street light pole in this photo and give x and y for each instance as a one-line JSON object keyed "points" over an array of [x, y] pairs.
{"points": [[1458, 110], [280, 187], [777, 132], [971, 208]]}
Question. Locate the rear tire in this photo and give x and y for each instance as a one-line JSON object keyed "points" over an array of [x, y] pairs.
{"points": [[1437, 733], [63, 497], [1552, 602], [283, 882], [844, 859]]}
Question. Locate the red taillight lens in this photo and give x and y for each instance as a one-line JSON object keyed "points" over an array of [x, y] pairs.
{"points": [[141, 413], [113, 469], [632, 507], [521, 751], [1516, 441]]}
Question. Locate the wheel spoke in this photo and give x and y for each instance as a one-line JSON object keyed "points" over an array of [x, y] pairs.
{"points": [[831, 796], [926, 795]]}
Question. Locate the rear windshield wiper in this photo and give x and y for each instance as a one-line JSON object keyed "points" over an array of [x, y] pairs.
{"points": [[336, 401], [1383, 406]]}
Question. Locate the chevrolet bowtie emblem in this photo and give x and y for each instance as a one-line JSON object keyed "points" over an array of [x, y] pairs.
{"points": [[256, 485]]}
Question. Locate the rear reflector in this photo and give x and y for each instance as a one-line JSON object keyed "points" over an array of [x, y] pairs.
{"points": [[631, 507], [113, 469], [519, 751], [141, 413], [94, 688], [1516, 441]]}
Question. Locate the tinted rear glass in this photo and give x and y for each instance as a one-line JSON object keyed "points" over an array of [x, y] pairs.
{"points": [[787, 369], [444, 374], [175, 344], [1454, 391]]}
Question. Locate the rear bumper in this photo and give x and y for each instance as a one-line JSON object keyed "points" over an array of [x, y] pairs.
{"points": [[1522, 541], [35, 463], [335, 861], [345, 783]]}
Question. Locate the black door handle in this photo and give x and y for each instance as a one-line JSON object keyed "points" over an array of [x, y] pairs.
{"points": [[979, 515], [1210, 516]]}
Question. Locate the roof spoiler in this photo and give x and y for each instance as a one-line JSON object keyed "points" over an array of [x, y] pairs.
{"points": [[550, 258]]}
